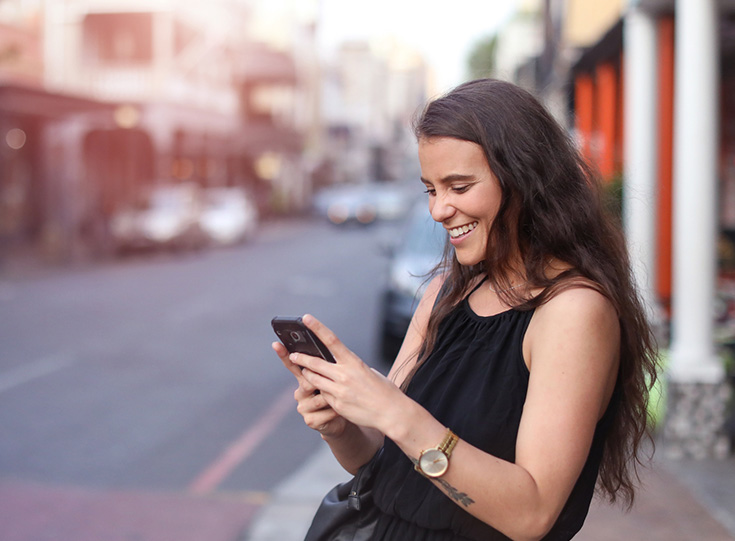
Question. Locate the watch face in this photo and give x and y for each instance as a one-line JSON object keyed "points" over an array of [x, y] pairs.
{"points": [[433, 463]]}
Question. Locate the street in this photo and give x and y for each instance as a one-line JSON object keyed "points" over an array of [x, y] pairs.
{"points": [[143, 389]]}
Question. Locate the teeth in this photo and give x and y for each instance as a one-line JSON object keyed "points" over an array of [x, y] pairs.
{"points": [[457, 231]]}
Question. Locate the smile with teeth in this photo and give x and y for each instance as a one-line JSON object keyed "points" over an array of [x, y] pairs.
{"points": [[462, 230]]}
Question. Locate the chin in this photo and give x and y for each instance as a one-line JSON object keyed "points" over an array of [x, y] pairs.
{"points": [[468, 261]]}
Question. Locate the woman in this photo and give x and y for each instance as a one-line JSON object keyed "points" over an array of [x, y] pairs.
{"points": [[522, 380]]}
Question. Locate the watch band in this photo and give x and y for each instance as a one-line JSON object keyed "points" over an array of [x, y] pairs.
{"points": [[434, 462], [448, 443]]}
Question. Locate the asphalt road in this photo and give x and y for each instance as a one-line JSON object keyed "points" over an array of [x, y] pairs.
{"points": [[138, 392]]}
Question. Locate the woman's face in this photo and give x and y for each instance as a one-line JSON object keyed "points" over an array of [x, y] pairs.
{"points": [[464, 195]]}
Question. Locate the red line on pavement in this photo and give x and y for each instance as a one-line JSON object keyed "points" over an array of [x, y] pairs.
{"points": [[242, 448]]}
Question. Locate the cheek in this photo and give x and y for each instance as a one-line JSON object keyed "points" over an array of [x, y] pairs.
{"points": [[488, 213], [494, 207]]}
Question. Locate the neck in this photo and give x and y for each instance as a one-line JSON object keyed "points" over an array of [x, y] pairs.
{"points": [[515, 279]]}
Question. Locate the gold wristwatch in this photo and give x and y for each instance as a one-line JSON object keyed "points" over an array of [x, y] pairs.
{"points": [[434, 462]]}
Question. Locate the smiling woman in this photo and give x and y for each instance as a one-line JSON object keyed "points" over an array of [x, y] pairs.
{"points": [[523, 379]]}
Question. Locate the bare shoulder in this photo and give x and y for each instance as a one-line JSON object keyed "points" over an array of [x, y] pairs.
{"points": [[573, 343], [577, 315], [578, 303], [430, 294], [434, 286]]}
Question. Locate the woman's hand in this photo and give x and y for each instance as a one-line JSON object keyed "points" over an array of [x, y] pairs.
{"points": [[350, 388], [353, 406], [312, 405]]}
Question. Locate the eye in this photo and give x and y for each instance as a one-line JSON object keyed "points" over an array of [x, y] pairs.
{"points": [[430, 191], [461, 189]]}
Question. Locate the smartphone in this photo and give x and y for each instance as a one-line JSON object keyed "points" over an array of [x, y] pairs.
{"points": [[297, 338]]}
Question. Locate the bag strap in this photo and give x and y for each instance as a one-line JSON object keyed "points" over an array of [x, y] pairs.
{"points": [[363, 478]]}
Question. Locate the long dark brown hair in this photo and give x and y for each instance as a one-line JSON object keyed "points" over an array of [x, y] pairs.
{"points": [[551, 209]]}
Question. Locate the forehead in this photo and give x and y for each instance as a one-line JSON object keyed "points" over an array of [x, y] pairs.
{"points": [[448, 143], [441, 156]]}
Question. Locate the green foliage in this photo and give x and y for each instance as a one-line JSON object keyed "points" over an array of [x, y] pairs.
{"points": [[481, 62], [613, 195], [657, 395]]}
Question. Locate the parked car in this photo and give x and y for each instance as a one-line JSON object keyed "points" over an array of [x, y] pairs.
{"points": [[165, 216], [363, 203], [419, 250], [228, 215]]}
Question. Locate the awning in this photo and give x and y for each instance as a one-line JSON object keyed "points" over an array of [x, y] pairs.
{"points": [[264, 64], [30, 101], [607, 49]]}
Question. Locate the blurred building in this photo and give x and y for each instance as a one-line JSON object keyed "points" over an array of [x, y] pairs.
{"points": [[653, 102], [542, 40], [519, 43], [21, 56], [162, 92], [371, 90], [31, 185], [647, 87]]}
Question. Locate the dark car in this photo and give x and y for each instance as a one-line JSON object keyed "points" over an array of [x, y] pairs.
{"points": [[419, 251]]}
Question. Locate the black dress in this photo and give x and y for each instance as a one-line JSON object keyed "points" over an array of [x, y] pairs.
{"points": [[474, 382]]}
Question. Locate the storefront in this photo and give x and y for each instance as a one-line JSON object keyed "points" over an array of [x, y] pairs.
{"points": [[39, 176], [654, 108]]}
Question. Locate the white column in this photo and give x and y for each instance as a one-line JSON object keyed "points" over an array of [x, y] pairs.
{"points": [[53, 44], [693, 356], [641, 148]]}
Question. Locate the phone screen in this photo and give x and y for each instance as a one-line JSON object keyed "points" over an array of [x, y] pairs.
{"points": [[297, 338]]}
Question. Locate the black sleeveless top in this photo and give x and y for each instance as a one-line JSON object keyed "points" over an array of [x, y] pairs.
{"points": [[475, 382]]}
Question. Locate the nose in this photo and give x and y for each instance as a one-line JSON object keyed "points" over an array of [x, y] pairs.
{"points": [[440, 208]]}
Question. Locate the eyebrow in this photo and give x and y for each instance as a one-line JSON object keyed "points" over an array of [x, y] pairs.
{"points": [[450, 178]]}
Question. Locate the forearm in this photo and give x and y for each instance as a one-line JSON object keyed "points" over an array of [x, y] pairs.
{"points": [[355, 446], [497, 492], [500, 493]]}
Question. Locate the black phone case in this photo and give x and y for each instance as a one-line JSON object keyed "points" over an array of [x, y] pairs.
{"points": [[297, 337]]}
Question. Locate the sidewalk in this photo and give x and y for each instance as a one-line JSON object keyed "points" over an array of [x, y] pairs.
{"points": [[684, 500]]}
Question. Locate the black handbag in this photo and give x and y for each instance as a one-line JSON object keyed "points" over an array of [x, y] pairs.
{"points": [[347, 512]]}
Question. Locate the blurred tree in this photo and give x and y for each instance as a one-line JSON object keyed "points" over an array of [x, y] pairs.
{"points": [[481, 62], [613, 195]]}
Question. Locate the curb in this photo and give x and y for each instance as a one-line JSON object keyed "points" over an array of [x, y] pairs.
{"points": [[288, 514]]}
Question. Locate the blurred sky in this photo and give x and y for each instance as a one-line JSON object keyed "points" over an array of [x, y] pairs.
{"points": [[444, 32]]}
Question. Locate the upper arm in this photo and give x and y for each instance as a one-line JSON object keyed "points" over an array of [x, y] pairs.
{"points": [[408, 354], [572, 350]]}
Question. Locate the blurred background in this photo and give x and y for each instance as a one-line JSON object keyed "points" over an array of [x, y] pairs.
{"points": [[211, 116], [174, 174]]}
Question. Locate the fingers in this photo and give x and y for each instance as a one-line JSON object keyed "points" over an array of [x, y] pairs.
{"points": [[295, 369], [317, 413], [311, 405], [321, 420], [314, 373], [282, 353], [305, 389], [334, 344], [309, 402]]}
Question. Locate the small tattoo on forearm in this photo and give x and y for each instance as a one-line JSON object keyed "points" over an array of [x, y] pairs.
{"points": [[456, 495]]}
